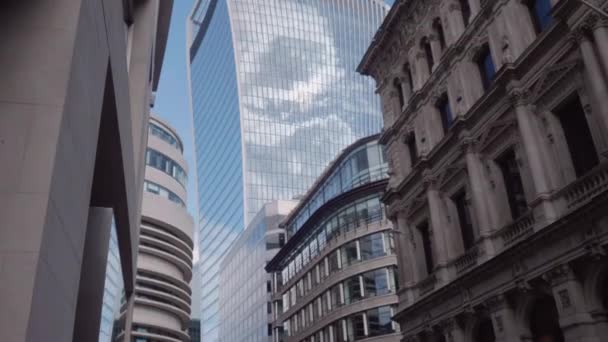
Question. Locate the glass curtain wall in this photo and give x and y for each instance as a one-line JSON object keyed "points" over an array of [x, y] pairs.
{"points": [[275, 97]]}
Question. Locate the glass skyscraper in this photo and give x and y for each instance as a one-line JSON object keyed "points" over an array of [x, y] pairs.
{"points": [[275, 97]]}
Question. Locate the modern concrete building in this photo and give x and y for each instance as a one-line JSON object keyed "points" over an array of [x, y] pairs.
{"points": [[245, 305], [275, 97], [77, 83], [161, 310], [496, 118], [335, 278]]}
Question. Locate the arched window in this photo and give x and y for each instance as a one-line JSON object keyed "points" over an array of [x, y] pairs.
{"points": [[486, 67], [438, 29], [425, 45], [408, 74], [466, 11], [540, 13], [447, 118], [397, 85]]}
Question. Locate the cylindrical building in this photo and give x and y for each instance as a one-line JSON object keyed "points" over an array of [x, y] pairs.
{"points": [[161, 309]]}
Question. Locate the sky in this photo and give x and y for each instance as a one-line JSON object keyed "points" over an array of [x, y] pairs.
{"points": [[172, 99]]}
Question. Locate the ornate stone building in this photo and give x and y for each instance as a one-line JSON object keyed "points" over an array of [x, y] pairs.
{"points": [[496, 118]]}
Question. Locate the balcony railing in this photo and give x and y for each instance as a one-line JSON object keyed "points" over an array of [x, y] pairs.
{"points": [[466, 261], [586, 188], [518, 229]]}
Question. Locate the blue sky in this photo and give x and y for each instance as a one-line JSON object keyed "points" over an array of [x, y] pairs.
{"points": [[172, 101]]}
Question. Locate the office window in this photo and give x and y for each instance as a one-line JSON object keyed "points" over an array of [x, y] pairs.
{"points": [[372, 246], [375, 283], [379, 321], [356, 327], [350, 254], [352, 290]]}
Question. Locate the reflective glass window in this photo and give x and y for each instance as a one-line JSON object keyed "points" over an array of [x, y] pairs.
{"points": [[379, 321], [352, 290], [376, 283], [372, 246]]}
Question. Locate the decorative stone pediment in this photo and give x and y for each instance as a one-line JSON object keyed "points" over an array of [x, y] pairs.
{"points": [[450, 172], [552, 76], [495, 130]]}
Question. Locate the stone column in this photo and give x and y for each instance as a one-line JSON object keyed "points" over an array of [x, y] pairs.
{"points": [[408, 271], [506, 327], [537, 152], [390, 103], [443, 251], [405, 81], [452, 331], [600, 35], [597, 81], [575, 318], [483, 203], [422, 69], [455, 23], [475, 8], [435, 49]]}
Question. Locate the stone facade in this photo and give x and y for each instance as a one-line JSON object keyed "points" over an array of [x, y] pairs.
{"points": [[496, 117]]}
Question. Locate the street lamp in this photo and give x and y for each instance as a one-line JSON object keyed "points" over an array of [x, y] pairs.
{"points": [[595, 8]]}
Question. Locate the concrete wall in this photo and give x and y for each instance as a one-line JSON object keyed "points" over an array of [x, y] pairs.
{"points": [[68, 141]]}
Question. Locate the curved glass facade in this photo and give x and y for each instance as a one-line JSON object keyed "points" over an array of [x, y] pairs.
{"points": [[348, 217], [160, 190], [167, 165], [275, 97], [161, 133], [365, 164]]}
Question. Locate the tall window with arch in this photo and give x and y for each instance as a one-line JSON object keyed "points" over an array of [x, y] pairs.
{"points": [[438, 31], [465, 9], [397, 85], [425, 46], [447, 117], [409, 80], [486, 67], [540, 13]]}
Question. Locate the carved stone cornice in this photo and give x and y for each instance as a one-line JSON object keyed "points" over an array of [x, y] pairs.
{"points": [[429, 180], [496, 303], [468, 143], [519, 97], [578, 36], [559, 275]]}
